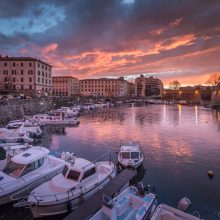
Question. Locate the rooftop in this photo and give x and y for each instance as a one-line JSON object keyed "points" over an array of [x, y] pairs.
{"points": [[81, 163], [7, 58], [30, 155]]}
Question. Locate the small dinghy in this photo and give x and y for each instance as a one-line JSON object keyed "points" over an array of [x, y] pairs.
{"points": [[27, 170], [79, 180], [130, 155], [165, 212], [132, 203]]}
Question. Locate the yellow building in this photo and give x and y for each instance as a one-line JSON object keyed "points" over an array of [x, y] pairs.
{"points": [[103, 87], [65, 85]]}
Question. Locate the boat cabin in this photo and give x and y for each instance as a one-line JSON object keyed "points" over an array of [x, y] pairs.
{"points": [[80, 170], [130, 152], [26, 162], [50, 116]]}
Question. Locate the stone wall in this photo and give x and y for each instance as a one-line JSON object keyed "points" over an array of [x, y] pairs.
{"points": [[17, 109]]}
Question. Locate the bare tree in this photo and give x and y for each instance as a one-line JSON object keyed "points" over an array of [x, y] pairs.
{"points": [[175, 85], [214, 79]]}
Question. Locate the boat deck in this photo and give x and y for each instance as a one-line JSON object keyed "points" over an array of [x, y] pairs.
{"points": [[92, 205]]}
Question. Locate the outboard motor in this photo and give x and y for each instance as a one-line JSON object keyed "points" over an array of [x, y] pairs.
{"points": [[140, 188], [184, 204]]}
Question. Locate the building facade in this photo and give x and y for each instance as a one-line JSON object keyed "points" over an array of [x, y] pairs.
{"points": [[130, 89], [65, 86], [149, 86], [25, 75], [104, 87]]}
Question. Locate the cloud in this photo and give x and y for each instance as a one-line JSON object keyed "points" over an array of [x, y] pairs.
{"points": [[116, 37]]}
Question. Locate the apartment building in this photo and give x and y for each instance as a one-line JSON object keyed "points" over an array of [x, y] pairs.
{"points": [[25, 75], [149, 86], [105, 87], [65, 85]]}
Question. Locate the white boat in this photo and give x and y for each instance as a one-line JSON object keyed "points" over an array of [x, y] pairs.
{"points": [[69, 112], [78, 181], [130, 155], [27, 170], [13, 136], [33, 130], [132, 204], [165, 212], [55, 118]]}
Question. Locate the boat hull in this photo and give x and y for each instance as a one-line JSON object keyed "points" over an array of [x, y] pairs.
{"points": [[69, 205]]}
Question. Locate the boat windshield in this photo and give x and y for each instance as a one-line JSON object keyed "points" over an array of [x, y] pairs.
{"points": [[73, 175], [134, 155], [65, 169], [125, 155], [14, 169]]}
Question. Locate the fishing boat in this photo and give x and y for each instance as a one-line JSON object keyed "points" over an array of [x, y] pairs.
{"points": [[26, 171], [130, 155], [165, 212], [55, 118], [79, 180], [132, 203]]}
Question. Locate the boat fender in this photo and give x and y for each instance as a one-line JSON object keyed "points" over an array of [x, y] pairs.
{"points": [[69, 206], [210, 174], [184, 204]]}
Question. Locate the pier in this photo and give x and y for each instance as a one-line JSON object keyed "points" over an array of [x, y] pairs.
{"points": [[92, 205]]}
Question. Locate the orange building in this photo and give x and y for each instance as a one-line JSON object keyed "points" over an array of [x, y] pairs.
{"points": [[65, 86]]}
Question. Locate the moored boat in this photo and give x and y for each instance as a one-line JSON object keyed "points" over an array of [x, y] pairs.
{"points": [[165, 212], [130, 155], [25, 171], [78, 181], [132, 203]]}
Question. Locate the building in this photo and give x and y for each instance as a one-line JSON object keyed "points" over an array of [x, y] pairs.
{"points": [[25, 75], [130, 89], [65, 86], [103, 87], [148, 86]]}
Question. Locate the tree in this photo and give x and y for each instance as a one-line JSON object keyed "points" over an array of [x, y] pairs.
{"points": [[175, 85], [214, 79]]}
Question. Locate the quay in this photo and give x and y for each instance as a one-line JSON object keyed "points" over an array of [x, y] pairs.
{"points": [[92, 205]]}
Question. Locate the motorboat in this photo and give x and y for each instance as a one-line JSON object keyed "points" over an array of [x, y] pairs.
{"points": [[165, 212], [79, 180], [69, 112], [132, 203], [26, 171], [33, 130], [55, 118], [13, 136], [130, 155]]}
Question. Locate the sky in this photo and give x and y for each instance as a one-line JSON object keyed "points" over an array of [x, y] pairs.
{"points": [[171, 40]]}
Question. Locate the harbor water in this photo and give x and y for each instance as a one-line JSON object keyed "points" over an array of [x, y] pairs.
{"points": [[181, 144]]}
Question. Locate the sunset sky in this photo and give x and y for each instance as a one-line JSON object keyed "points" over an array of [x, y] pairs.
{"points": [[169, 39]]}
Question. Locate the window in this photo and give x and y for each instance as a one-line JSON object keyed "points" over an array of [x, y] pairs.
{"points": [[38, 65], [134, 155], [30, 64], [6, 79], [30, 72], [39, 163], [89, 173], [73, 175], [42, 73], [14, 79], [6, 64], [13, 72], [29, 168], [22, 64], [125, 155], [30, 87], [22, 87], [14, 169], [13, 64], [38, 72], [38, 80], [30, 79], [5, 72], [42, 80], [22, 79], [65, 169], [22, 72]]}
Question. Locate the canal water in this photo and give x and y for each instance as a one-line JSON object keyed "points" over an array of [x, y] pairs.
{"points": [[181, 143]]}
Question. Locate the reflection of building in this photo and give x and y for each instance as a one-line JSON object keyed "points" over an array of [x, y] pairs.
{"points": [[148, 86], [130, 89], [104, 87], [25, 74], [65, 85]]}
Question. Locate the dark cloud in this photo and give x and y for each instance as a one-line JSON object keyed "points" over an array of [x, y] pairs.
{"points": [[166, 33]]}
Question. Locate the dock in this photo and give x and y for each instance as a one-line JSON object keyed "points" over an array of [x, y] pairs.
{"points": [[93, 204]]}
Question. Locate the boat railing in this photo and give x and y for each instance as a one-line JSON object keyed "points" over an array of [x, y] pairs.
{"points": [[107, 156]]}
